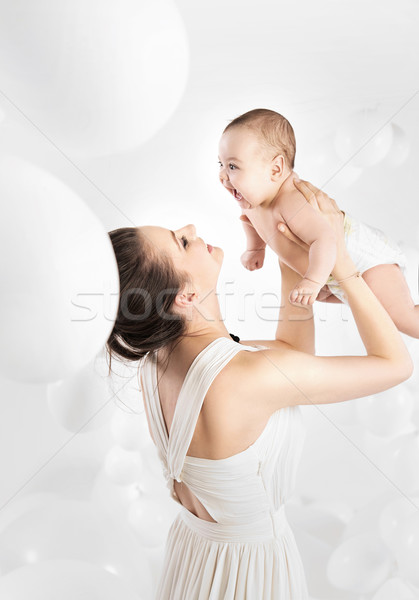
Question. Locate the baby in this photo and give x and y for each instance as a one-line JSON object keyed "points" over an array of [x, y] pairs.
{"points": [[257, 151]]}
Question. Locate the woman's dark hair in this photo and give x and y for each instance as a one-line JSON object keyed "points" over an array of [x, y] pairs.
{"points": [[149, 284]]}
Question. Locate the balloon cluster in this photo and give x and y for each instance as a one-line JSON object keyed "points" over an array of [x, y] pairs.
{"points": [[365, 138], [132, 463], [80, 529], [362, 140], [111, 86]]}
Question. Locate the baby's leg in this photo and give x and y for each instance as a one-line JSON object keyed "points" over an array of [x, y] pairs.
{"points": [[389, 285]]}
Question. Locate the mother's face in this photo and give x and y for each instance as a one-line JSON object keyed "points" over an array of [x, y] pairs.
{"points": [[189, 253]]}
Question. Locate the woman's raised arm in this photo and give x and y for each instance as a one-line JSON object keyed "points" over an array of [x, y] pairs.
{"points": [[284, 376], [295, 327]]}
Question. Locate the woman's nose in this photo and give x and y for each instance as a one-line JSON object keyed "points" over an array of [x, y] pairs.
{"points": [[189, 229], [192, 230]]}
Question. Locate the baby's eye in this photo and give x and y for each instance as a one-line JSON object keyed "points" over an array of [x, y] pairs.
{"points": [[232, 167], [220, 164], [184, 240]]}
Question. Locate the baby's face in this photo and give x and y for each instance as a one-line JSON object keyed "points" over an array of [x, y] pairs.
{"points": [[244, 168]]}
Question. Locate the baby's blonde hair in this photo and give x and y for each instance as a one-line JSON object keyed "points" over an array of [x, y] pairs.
{"points": [[274, 129]]}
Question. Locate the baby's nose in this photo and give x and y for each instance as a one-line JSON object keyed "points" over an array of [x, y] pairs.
{"points": [[223, 175]]}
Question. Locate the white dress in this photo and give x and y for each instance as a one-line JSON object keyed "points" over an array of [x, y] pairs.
{"points": [[250, 553]]}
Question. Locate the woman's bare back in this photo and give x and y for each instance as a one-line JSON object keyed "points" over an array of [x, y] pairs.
{"points": [[220, 431]]}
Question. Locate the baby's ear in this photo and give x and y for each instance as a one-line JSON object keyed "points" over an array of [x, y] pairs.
{"points": [[278, 166]]}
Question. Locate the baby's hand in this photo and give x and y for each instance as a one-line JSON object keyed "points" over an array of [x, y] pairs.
{"points": [[253, 259], [305, 292]]}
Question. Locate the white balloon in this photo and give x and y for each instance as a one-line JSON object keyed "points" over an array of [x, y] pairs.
{"points": [[150, 518], [360, 564], [415, 417], [130, 430], [152, 460], [96, 77], [394, 589], [365, 519], [406, 463], [393, 516], [319, 522], [122, 466], [78, 531], [386, 453], [325, 169], [341, 510], [407, 549], [59, 276], [315, 554], [64, 579], [387, 413], [124, 383], [364, 138], [111, 498], [68, 477], [22, 504], [411, 274], [81, 402], [342, 413], [400, 148]]}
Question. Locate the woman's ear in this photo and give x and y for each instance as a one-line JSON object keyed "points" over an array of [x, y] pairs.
{"points": [[185, 299], [278, 166]]}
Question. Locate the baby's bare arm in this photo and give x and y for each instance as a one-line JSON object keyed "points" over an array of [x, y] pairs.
{"points": [[253, 239], [311, 227]]}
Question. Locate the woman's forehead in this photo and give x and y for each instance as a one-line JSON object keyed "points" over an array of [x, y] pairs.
{"points": [[160, 237]]}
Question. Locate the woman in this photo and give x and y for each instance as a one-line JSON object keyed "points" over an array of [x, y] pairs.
{"points": [[225, 415]]}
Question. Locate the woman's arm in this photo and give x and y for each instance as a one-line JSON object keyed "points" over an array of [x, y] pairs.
{"points": [[285, 377], [295, 322]]}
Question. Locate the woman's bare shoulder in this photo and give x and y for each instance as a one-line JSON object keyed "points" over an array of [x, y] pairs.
{"points": [[241, 388]]}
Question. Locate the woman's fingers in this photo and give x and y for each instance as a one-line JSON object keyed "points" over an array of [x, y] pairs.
{"points": [[310, 186], [308, 190], [318, 197], [285, 230]]}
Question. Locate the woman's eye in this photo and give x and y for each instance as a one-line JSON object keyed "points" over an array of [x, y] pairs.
{"points": [[184, 241]]}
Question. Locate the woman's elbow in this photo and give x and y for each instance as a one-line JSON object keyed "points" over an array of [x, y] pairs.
{"points": [[405, 370]]}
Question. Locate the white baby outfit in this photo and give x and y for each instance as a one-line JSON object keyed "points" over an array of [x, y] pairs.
{"points": [[250, 553], [368, 247]]}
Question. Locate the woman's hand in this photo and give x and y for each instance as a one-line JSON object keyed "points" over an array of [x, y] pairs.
{"points": [[320, 201]]}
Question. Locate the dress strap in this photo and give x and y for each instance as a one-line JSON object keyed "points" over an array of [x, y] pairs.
{"points": [[196, 384], [207, 364], [151, 399]]}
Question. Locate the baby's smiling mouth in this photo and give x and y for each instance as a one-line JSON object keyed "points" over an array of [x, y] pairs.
{"points": [[237, 195]]}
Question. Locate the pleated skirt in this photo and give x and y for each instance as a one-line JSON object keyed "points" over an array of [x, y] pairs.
{"points": [[210, 561]]}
